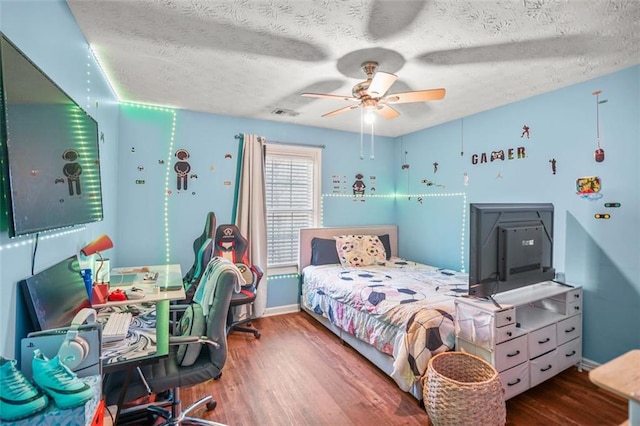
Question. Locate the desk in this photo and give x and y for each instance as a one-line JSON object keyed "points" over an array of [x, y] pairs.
{"points": [[621, 376], [146, 342], [169, 276]]}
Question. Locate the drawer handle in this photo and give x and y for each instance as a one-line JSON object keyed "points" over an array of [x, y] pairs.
{"points": [[546, 369], [508, 318], [571, 354], [516, 353], [570, 330], [577, 308], [514, 383], [509, 333], [541, 342], [577, 296]]}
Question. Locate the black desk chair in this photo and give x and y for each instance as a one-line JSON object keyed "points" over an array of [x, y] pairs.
{"points": [[194, 358], [231, 245]]}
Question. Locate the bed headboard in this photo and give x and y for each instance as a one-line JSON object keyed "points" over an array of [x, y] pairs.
{"points": [[307, 234]]}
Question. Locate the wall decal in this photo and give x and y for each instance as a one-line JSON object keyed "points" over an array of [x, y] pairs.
{"points": [[358, 186], [212, 168], [499, 175], [465, 179], [612, 205], [512, 153], [589, 187], [525, 131], [133, 149], [182, 168], [602, 216], [140, 182], [372, 184], [598, 155], [553, 165], [435, 167], [227, 183], [160, 161], [228, 155], [140, 168]]}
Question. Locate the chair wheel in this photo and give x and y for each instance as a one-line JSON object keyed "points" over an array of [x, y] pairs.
{"points": [[211, 405], [218, 376], [257, 334]]}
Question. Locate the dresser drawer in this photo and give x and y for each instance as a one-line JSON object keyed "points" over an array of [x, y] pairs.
{"points": [[569, 329], [542, 340], [543, 367], [506, 317], [511, 353], [515, 380], [505, 333], [574, 308], [569, 354]]}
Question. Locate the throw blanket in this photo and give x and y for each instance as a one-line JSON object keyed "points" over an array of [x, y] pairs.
{"points": [[207, 288], [422, 338]]}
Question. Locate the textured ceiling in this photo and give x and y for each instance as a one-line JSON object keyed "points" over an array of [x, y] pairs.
{"points": [[250, 57]]}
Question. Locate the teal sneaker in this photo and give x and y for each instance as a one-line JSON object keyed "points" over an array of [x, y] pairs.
{"points": [[18, 397], [60, 383]]}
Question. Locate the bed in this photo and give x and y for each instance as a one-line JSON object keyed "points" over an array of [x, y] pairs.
{"points": [[395, 312]]}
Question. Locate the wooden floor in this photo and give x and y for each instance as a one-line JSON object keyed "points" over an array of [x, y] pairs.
{"points": [[299, 373]]}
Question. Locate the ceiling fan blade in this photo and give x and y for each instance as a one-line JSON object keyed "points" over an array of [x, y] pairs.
{"points": [[380, 83], [386, 111], [329, 96], [340, 111], [415, 96]]}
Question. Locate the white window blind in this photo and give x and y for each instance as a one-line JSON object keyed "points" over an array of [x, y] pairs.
{"points": [[292, 183]]}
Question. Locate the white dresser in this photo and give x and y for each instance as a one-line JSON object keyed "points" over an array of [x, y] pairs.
{"points": [[535, 333]]}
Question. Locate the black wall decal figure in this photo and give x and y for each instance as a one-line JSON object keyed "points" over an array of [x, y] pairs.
{"points": [[525, 131], [182, 169], [72, 171], [358, 186]]}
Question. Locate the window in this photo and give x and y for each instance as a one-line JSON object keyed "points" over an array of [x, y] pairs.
{"points": [[292, 183]]}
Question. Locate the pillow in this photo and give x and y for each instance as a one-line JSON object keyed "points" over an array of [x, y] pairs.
{"points": [[384, 239], [192, 323], [323, 251], [360, 250]]}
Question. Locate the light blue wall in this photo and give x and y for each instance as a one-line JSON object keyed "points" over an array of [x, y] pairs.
{"points": [[145, 135], [47, 33], [601, 255]]}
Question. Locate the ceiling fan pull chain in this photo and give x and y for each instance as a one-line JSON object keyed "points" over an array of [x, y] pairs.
{"points": [[361, 133], [372, 147]]}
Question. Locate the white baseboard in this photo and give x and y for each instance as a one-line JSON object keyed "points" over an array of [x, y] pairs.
{"points": [[279, 310], [589, 365]]}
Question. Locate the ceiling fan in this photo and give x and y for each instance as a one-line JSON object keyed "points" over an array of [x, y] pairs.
{"points": [[372, 95]]}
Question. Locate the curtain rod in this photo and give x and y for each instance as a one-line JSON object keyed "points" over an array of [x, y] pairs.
{"points": [[288, 143]]}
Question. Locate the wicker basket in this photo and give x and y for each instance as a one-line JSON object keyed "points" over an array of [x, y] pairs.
{"points": [[462, 389]]}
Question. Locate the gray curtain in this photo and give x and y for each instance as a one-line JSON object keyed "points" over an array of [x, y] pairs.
{"points": [[250, 208]]}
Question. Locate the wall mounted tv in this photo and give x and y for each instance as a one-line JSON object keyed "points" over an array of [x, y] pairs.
{"points": [[510, 246], [49, 154]]}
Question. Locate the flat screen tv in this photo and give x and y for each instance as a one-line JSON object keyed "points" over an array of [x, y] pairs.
{"points": [[510, 246], [49, 154]]}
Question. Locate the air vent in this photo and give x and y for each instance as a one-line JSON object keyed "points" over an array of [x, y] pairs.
{"points": [[287, 112]]}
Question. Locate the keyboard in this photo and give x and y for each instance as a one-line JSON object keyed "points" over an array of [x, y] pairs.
{"points": [[116, 327]]}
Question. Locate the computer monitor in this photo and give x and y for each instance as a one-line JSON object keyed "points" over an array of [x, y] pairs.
{"points": [[55, 295]]}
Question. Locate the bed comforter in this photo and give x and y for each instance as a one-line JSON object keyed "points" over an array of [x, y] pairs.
{"points": [[404, 309]]}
